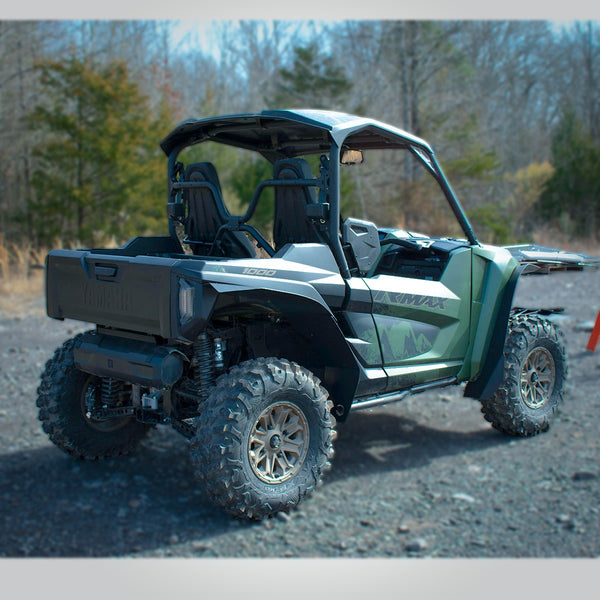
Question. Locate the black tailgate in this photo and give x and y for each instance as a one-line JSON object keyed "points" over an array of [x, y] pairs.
{"points": [[116, 291]]}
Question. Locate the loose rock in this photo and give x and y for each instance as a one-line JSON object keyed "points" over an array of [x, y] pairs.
{"points": [[584, 326], [417, 545], [199, 546], [465, 497], [584, 476]]}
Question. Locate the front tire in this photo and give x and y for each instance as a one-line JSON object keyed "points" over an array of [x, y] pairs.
{"points": [[265, 438], [63, 398], [535, 373]]}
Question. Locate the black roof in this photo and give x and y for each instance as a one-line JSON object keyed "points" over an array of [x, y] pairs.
{"points": [[288, 133]]}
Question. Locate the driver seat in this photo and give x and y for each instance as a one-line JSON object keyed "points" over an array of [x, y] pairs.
{"points": [[207, 213]]}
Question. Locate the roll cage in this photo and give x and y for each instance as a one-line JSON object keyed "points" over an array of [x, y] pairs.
{"points": [[287, 134]]}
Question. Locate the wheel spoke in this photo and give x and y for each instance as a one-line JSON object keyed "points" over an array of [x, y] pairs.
{"points": [[259, 437], [258, 456], [292, 446], [284, 464], [288, 464], [269, 460], [543, 362], [293, 426], [257, 445], [280, 417]]}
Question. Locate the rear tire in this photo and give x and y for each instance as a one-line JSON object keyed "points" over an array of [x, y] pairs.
{"points": [[535, 373], [61, 401], [264, 439]]}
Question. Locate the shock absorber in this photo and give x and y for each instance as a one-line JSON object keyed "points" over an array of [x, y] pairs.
{"points": [[204, 374], [109, 392], [219, 348]]}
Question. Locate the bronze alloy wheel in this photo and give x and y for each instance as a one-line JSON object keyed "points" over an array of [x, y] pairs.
{"points": [[278, 442], [537, 377]]}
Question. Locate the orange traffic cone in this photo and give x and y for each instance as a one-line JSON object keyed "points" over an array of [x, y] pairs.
{"points": [[593, 341]]}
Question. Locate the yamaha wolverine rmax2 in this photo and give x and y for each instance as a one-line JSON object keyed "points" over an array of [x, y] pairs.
{"points": [[254, 359]]}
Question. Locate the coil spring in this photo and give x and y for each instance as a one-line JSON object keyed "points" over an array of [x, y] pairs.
{"points": [[204, 376], [109, 391]]}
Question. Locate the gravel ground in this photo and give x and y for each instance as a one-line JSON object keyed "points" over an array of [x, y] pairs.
{"points": [[424, 477]]}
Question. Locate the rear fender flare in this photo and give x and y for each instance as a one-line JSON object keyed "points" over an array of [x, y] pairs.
{"points": [[330, 355]]}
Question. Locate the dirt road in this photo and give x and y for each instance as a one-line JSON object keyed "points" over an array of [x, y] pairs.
{"points": [[425, 477]]}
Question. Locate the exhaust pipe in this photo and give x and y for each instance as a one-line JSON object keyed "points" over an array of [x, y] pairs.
{"points": [[140, 362]]}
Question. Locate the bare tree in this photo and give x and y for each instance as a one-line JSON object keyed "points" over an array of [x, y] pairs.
{"points": [[580, 73]]}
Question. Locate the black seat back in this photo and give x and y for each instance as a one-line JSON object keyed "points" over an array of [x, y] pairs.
{"points": [[207, 213], [290, 223]]}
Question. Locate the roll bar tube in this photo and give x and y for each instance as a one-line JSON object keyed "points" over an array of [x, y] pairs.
{"points": [[334, 211], [454, 203]]}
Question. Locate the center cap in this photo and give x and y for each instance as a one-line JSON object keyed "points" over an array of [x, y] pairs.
{"points": [[275, 442]]}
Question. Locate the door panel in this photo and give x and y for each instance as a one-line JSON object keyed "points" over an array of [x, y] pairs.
{"points": [[423, 325]]}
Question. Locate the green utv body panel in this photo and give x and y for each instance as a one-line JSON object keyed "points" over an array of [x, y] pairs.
{"points": [[357, 316], [494, 274]]}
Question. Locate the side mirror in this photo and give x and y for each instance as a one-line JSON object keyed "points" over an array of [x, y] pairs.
{"points": [[352, 157]]}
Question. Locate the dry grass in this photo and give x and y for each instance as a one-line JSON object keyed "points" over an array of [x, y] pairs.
{"points": [[21, 278], [553, 238], [22, 275]]}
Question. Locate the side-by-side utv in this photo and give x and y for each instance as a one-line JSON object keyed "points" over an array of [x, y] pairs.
{"points": [[253, 345]]}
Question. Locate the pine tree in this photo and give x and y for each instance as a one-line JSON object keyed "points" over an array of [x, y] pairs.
{"points": [[571, 196], [93, 157], [313, 81]]}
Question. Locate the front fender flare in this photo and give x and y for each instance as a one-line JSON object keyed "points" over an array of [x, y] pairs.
{"points": [[490, 375]]}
